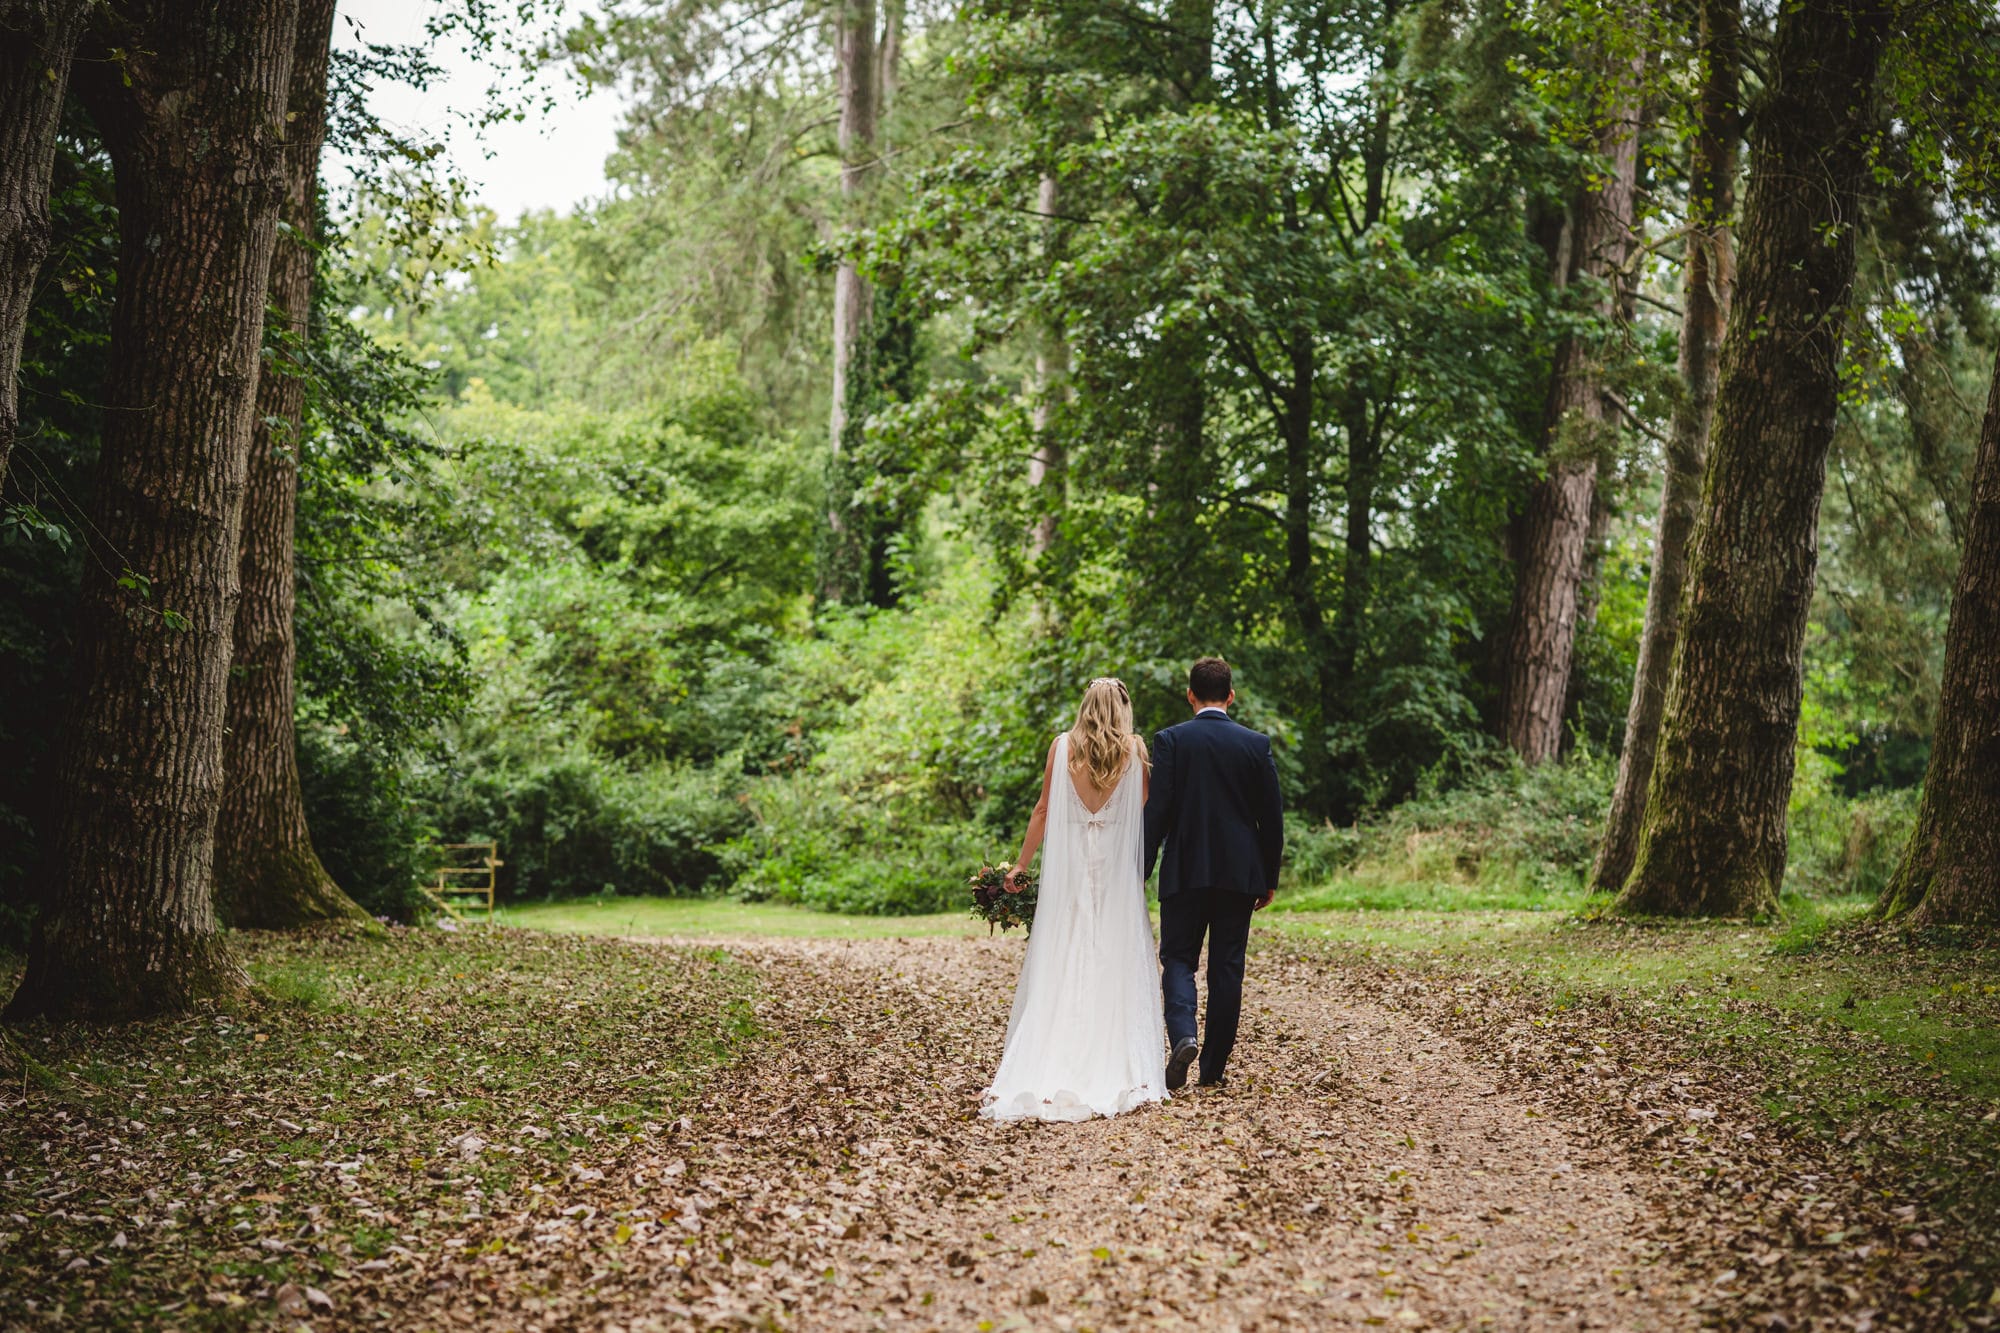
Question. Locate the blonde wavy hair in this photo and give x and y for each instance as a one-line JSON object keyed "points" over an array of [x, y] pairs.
{"points": [[1102, 736]]}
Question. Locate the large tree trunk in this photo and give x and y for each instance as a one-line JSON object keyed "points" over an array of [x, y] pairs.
{"points": [[854, 39], [1713, 839], [37, 39], [1951, 870], [266, 872], [193, 113], [1555, 528], [1706, 278]]}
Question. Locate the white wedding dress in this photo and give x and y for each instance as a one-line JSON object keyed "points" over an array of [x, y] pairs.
{"points": [[1086, 1036]]}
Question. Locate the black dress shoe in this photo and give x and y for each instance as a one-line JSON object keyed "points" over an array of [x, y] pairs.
{"points": [[1185, 1050], [1220, 1080]]}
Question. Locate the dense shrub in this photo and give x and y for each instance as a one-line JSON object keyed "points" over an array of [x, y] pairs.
{"points": [[1315, 853], [580, 824], [1538, 827], [1529, 833], [1502, 836], [1841, 845], [370, 834], [815, 845]]}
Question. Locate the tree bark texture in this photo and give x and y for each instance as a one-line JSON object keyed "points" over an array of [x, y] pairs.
{"points": [[190, 99], [1713, 839], [855, 45], [267, 875], [1950, 872], [1706, 278], [37, 40], [1555, 527]]}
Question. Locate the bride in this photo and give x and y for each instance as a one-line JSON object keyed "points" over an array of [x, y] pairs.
{"points": [[1086, 1036]]}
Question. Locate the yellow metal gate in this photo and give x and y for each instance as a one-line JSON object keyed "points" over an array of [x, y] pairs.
{"points": [[465, 882]]}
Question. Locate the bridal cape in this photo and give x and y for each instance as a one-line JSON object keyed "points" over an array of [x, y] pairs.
{"points": [[1086, 1035]]}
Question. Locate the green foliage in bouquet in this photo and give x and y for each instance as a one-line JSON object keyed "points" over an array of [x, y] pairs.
{"points": [[993, 904]]}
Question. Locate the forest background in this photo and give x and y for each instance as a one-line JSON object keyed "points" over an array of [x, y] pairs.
{"points": [[751, 531]]}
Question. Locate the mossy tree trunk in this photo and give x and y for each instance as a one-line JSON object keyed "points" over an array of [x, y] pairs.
{"points": [[1706, 279], [1713, 839], [37, 40], [190, 99], [266, 872], [1951, 870]]}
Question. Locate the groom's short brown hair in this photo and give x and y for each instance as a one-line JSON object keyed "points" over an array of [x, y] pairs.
{"points": [[1209, 680]]}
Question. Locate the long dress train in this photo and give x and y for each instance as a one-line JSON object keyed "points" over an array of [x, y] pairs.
{"points": [[1086, 1035]]}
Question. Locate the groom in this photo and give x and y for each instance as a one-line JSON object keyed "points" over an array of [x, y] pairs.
{"points": [[1214, 810]]}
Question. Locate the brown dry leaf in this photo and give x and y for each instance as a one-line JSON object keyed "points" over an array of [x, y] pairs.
{"points": [[1400, 1145]]}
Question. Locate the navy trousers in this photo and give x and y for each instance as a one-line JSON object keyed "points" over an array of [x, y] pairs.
{"points": [[1223, 916]]}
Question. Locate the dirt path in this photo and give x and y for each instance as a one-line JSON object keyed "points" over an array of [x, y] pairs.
{"points": [[1360, 1170]]}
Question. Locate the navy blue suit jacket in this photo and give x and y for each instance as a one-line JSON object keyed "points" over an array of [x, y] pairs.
{"points": [[1214, 818]]}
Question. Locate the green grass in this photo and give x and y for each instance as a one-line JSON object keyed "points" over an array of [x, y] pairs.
{"points": [[1362, 892], [661, 918], [700, 918], [1933, 1010]]}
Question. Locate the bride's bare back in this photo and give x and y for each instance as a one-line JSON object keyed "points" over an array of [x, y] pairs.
{"points": [[1095, 798]]}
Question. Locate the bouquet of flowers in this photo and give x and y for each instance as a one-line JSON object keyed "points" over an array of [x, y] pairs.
{"points": [[995, 906]]}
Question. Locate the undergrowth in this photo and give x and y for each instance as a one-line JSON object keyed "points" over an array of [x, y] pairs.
{"points": [[1511, 837]]}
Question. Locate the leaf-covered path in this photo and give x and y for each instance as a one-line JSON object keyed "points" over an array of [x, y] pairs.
{"points": [[1361, 1169]]}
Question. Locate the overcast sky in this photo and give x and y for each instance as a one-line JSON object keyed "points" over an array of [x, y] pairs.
{"points": [[547, 161]]}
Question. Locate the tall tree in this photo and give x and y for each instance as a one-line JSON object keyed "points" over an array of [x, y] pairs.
{"points": [[1707, 274], [1951, 869], [1295, 295], [37, 40], [191, 101], [1578, 424], [266, 872], [1051, 373], [1362, 415], [860, 74], [1713, 839], [874, 336], [1185, 63]]}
